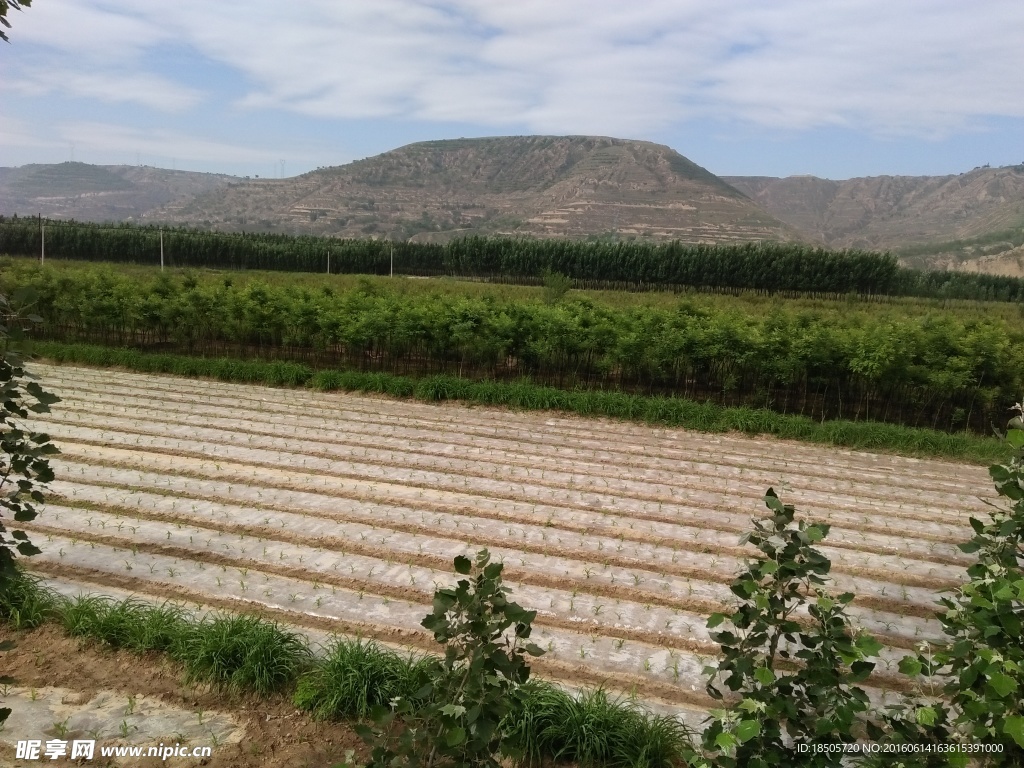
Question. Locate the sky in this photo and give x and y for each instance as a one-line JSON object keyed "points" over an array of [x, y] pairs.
{"points": [[837, 89]]}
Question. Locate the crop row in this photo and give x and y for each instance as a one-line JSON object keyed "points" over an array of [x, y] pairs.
{"points": [[295, 509], [933, 370]]}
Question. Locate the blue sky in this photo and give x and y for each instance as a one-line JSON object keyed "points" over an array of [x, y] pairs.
{"points": [[754, 87]]}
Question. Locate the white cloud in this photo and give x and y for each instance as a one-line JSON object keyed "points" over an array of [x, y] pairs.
{"points": [[112, 86], [917, 67], [21, 133], [95, 31], [98, 138]]}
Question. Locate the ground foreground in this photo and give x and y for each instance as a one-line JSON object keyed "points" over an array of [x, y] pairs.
{"points": [[341, 514], [260, 732]]}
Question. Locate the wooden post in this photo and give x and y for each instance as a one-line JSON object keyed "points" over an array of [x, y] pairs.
{"points": [[328, 262], [42, 251], [161, 250]]}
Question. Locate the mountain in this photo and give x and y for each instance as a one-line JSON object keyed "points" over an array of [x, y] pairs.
{"points": [[98, 192], [943, 221], [538, 186], [557, 186]]}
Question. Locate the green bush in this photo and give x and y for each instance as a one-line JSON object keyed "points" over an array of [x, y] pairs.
{"points": [[358, 676], [241, 653]]}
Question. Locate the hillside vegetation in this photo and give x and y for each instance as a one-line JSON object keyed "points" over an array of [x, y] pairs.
{"points": [[921, 217], [539, 186]]}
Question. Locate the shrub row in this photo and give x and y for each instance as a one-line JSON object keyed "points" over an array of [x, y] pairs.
{"points": [[933, 369], [665, 411]]}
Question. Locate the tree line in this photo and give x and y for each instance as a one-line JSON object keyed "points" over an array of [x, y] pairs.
{"points": [[934, 369], [763, 266]]}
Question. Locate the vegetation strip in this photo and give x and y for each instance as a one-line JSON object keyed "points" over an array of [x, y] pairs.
{"points": [[866, 600], [369, 477], [762, 266], [707, 418], [826, 503], [524, 576]]}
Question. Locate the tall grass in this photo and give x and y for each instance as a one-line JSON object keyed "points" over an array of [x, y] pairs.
{"points": [[131, 623], [24, 601], [522, 394], [357, 676], [592, 730], [240, 653]]}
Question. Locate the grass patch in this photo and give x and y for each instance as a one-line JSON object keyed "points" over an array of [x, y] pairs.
{"points": [[357, 676], [593, 729], [247, 653], [131, 623], [240, 653], [662, 411], [24, 601]]}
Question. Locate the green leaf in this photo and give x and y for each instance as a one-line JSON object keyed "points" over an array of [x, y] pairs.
{"points": [[29, 549], [1014, 728], [1015, 438], [861, 669], [1002, 684], [926, 716], [868, 645], [725, 741], [764, 676], [910, 666], [455, 736], [715, 619], [747, 729], [814, 533], [463, 565]]}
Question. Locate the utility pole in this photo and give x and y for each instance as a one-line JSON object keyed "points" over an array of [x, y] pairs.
{"points": [[391, 243], [42, 251], [328, 262], [161, 250]]}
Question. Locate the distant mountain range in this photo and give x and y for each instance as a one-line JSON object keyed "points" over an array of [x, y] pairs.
{"points": [[548, 186]]}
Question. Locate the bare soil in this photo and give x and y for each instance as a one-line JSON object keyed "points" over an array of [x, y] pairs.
{"points": [[274, 732]]}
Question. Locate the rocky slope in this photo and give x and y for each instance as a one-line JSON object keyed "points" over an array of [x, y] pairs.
{"points": [[98, 192], [895, 212], [536, 186]]}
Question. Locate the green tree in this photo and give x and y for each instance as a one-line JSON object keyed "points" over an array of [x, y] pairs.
{"points": [[456, 720], [5, 5], [24, 462], [793, 676], [983, 663]]}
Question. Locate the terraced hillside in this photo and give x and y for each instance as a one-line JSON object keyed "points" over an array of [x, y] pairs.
{"points": [[340, 513], [540, 186]]}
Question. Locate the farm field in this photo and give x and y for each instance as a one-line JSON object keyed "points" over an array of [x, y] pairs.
{"points": [[341, 514]]}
